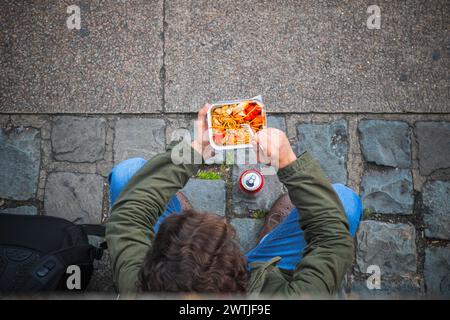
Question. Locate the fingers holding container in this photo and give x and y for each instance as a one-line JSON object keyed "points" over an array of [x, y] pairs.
{"points": [[273, 148]]}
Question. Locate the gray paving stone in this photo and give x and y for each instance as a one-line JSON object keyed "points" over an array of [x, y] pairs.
{"points": [[206, 195], [390, 246], [4, 119], [247, 230], [434, 145], [217, 158], [307, 56], [328, 144], [388, 290], [78, 139], [271, 191], [136, 137], [111, 65], [436, 202], [179, 128], [386, 143], [437, 272], [30, 120], [76, 197], [19, 163], [388, 191], [277, 122], [28, 210], [304, 56]]}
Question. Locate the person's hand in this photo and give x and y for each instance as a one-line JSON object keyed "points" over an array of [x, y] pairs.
{"points": [[201, 139], [273, 148]]}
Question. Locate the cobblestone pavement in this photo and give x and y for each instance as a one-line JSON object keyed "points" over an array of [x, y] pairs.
{"points": [[372, 106]]}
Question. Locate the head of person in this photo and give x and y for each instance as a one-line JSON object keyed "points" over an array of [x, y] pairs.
{"points": [[194, 252]]}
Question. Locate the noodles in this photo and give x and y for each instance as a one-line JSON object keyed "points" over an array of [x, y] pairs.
{"points": [[227, 120]]}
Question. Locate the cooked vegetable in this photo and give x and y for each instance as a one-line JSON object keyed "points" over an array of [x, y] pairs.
{"points": [[227, 122]]}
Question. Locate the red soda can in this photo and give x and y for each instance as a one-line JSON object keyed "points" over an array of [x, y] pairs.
{"points": [[251, 181]]}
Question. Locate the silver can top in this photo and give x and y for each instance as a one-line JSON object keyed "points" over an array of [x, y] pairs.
{"points": [[251, 180]]}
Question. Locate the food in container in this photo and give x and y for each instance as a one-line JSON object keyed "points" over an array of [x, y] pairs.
{"points": [[225, 122]]}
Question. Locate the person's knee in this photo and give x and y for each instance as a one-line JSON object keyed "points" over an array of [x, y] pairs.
{"points": [[121, 174], [352, 205], [125, 169]]}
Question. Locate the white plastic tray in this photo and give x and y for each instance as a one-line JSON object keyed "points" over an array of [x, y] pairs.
{"points": [[257, 99]]}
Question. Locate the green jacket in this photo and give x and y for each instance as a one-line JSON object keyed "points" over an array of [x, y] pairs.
{"points": [[129, 231]]}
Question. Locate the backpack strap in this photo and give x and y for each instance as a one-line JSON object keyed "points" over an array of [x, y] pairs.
{"points": [[98, 230]]}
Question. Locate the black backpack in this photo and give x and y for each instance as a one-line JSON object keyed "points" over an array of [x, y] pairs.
{"points": [[36, 251]]}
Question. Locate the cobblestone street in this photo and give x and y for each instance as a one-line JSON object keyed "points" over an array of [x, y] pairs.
{"points": [[372, 106]]}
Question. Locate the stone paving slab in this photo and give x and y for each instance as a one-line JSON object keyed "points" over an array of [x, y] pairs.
{"points": [[111, 65], [247, 230], [388, 191], [76, 197], [386, 143], [436, 271], [206, 195], [138, 137], [305, 56], [328, 144], [179, 127], [436, 202], [390, 246], [20, 155], [78, 139], [276, 122], [433, 138]]}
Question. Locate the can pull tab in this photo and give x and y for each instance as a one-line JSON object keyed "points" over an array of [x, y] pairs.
{"points": [[250, 181]]}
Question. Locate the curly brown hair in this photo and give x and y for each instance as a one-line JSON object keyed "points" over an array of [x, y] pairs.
{"points": [[194, 252]]}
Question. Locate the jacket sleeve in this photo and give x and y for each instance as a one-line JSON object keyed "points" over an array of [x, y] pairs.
{"points": [[330, 248], [129, 230]]}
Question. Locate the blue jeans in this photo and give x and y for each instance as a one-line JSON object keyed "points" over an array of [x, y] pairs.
{"points": [[285, 240]]}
